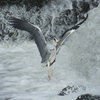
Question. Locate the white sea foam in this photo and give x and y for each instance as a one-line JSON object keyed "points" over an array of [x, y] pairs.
{"points": [[78, 63]]}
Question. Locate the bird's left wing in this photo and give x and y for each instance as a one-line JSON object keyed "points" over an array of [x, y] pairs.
{"points": [[67, 33], [62, 41], [37, 34]]}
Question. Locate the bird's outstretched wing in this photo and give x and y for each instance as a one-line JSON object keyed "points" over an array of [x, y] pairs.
{"points": [[37, 34], [68, 32]]}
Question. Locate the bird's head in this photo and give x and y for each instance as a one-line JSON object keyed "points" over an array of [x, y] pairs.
{"points": [[55, 40]]}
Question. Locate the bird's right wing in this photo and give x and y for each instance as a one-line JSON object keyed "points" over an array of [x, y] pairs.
{"points": [[68, 32], [37, 34]]}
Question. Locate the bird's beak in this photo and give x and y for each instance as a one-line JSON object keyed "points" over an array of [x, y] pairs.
{"points": [[58, 43]]}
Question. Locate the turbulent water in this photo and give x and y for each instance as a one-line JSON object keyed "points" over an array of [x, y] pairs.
{"points": [[77, 64], [45, 18]]}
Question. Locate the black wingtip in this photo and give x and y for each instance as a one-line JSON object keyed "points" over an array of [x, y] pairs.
{"points": [[20, 24], [11, 19], [76, 26]]}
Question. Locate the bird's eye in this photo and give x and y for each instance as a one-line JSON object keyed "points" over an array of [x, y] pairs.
{"points": [[54, 39]]}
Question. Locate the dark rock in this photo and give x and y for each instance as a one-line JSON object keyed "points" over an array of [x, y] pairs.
{"points": [[9, 2], [88, 97], [94, 3], [28, 3], [71, 89], [84, 6], [62, 93]]}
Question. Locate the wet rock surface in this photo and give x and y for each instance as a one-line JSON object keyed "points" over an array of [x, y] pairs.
{"points": [[88, 97], [28, 3], [75, 89], [71, 89], [83, 4]]}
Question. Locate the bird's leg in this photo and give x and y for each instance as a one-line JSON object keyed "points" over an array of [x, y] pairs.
{"points": [[49, 74], [52, 71]]}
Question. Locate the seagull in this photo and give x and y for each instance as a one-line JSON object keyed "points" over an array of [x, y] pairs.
{"points": [[47, 54]]}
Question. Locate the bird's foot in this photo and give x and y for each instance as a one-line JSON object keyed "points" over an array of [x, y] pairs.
{"points": [[49, 76], [52, 73]]}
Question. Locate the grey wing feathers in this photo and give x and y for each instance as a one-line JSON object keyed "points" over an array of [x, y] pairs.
{"points": [[37, 34], [62, 41], [65, 35], [19, 24]]}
